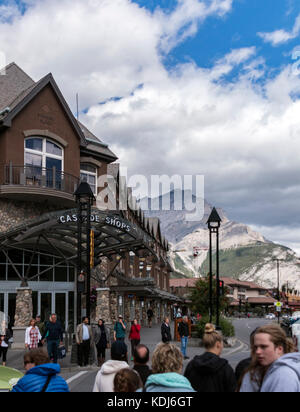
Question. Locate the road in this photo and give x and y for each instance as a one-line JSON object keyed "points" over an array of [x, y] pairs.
{"points": [[83, 381]]}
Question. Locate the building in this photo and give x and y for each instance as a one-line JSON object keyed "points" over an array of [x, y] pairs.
{"points": [[238, 292], [45, 152]]}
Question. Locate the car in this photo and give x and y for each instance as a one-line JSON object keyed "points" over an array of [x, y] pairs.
{"points": [[271, 316], [8, 378]]}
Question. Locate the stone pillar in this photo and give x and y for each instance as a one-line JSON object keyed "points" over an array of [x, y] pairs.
{"points": [[23, 316], [103, 305]]}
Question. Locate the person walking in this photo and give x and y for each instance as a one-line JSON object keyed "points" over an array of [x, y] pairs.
{"points": [[167, 363], [134, 336], [104, 381], [166, 336], [141, 358], [120, 329], [4, 344], [150, 315], [184, 333], [54, 333], [39, 324], [41, 375], [209, 372], [102, 341], [275, 363], [32, 336], [84, 340]]}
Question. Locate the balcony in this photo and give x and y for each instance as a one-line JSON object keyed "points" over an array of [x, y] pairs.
{"points": [[34, 183]]}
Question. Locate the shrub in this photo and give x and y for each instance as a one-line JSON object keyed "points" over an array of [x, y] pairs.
{"points": [[226, 326]]}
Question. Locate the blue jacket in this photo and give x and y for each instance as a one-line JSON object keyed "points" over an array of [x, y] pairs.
{"points": [[35, 379], [167, 382]]}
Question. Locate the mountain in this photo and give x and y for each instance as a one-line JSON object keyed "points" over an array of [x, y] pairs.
{"points": [[244, 253]]}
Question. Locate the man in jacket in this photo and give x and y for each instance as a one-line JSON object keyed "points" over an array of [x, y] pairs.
{"points": [[54, 333], [120, 329], [84, 340], [41, 375], [184, 333], [141, 358], [166, 331]]}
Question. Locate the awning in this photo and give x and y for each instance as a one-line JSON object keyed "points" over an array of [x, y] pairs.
{"points": [[56, 233]]}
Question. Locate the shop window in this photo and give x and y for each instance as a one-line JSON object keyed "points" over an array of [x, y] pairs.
{"points": [[11, 273], [60, 274]]}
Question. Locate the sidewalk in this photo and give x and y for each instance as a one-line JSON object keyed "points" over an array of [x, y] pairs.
{"points": [[149, 337]]}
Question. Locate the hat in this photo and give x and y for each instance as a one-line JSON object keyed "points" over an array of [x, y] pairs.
{"points": [[119, 350], [120, 316]]}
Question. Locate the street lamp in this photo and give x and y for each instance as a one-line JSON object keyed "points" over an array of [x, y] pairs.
{"points": [[278, 283], [84, 199], [214, 223]]}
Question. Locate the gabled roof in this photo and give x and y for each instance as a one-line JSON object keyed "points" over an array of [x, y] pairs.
{"points": [[17, 89], [13, 83]]}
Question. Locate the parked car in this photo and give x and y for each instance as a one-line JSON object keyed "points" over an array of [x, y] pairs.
{"points": [[271, 316], [8, 378]]}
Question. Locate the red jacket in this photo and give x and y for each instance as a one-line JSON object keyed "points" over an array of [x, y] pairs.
{"points": [[135, 332]]}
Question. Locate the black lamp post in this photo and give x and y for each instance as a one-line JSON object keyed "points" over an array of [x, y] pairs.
{"points": [[84, 199], [214, 223]]}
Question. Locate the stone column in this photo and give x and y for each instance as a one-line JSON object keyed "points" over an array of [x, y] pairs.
{"points": [[23, 316], [103, 305]]}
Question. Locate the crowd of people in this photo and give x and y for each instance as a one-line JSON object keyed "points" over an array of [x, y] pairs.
{"points": [[274, 364]]}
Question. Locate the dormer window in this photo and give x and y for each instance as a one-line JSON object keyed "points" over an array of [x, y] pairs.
{"points": [[88, 173]]}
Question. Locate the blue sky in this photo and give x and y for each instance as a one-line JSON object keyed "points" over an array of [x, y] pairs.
{"points": [[239, 28]]}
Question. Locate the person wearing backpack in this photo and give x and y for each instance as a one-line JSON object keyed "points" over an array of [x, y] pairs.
{"points": [[41, 375]]}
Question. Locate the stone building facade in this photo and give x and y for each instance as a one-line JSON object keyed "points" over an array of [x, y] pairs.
{"points": [[45, 152]]}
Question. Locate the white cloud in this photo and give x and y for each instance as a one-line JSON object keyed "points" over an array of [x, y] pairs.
{"points": [[242, 135], [279, 37]]}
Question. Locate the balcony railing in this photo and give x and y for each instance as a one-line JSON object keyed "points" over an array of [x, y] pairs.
{"points": [[40, 177]]}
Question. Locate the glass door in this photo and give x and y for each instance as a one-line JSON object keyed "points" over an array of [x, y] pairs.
{"points": [[46, 306], [60, 308], [50, 164], [12, 297]]}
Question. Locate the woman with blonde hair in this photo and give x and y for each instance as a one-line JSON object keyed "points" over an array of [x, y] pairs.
{"points": [[167, 363], [275, 366], [209, 372]]}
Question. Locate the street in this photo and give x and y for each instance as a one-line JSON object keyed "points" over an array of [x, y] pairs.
{"points": [[83, 380]]}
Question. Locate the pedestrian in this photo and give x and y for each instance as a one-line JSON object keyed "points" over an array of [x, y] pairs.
{"points": [[4, 344], [84, 340], [167, 363], [141, 358], [166, 336], [245, 363], [41, 375], [102, 341], [275, 366], [40, 324], [184, 333], [127, 380], [54, 333], [120, 329], [150, 315], [32, 336], [134, 336], [209, 372], [104, 381]]}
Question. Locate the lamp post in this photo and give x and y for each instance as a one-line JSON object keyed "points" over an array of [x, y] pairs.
{"points": [[278, 283], [214, 223], [84, 199]]}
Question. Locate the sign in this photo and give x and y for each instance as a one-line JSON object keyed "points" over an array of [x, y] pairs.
{"points": [[111, 221], [278, 304]]}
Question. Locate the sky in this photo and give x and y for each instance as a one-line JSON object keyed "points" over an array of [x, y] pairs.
{"points": [[187, 87]]}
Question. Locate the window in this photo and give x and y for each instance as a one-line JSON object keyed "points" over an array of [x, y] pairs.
{"points": [[88, 173], [41, 157]]}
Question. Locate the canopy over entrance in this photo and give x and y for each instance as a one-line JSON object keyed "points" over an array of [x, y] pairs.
{"points": [[56, 233]]}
